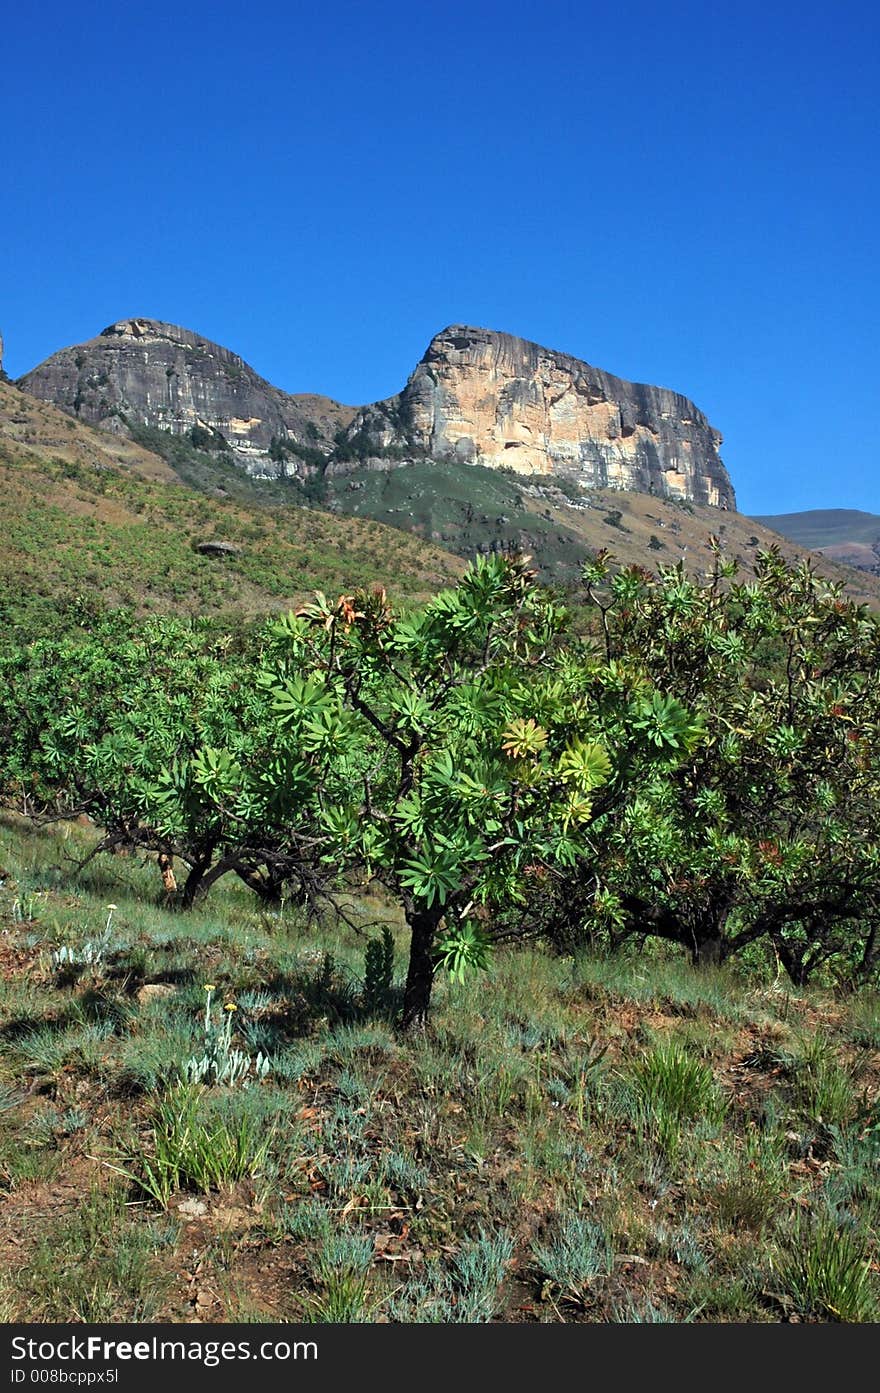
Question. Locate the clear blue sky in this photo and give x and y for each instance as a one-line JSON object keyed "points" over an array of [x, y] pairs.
{"points": [[681, 193]]}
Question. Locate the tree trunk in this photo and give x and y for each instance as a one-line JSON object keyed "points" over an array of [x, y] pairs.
{"points": [[420, 976], [192, 884], [268, 888], [869, 956], [707, 941], [793, 962], [707, 952], [200, 880]]}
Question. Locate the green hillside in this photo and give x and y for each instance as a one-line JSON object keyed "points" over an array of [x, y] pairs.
{"points": [[503, 1166], [87, 514], [465, 508], [634, 879]]}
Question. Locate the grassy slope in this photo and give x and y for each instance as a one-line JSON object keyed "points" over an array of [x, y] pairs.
{"points": [[85, 512], [463, 506], [844, 534], [500, 1166]]}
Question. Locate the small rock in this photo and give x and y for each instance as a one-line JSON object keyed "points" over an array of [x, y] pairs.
{"points": [[192, 1209], [155, 991], [214, 548]]}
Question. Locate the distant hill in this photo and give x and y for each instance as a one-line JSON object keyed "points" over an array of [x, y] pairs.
{"points": [[87, 514], [842, 534]]}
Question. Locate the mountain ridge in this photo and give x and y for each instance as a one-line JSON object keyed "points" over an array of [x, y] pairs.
{"points": [[383, 462], [476, 396]]}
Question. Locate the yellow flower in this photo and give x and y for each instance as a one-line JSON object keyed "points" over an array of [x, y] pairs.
{"points": [[112, 906], [209, 987], [230, 1006]]}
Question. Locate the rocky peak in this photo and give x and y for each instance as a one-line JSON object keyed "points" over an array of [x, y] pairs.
{"points": [[155, 332], [490, 398], [147, 329], [144, 371]]}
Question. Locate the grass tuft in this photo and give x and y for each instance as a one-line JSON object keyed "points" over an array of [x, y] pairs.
{"points": [[826, 1272], [191, 1147]]}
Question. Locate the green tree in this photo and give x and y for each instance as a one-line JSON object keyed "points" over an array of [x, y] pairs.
{"points": [[163, 736], [763, 823], [460, 764]]}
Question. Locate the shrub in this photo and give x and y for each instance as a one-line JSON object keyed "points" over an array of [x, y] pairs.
{"points": [[577, 1252], [673, 1088], [824, 1087], [191, 1148], [207, 438], [478, 1269], [826, 1272], [378, 973]]}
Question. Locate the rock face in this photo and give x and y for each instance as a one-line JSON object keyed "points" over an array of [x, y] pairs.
{"points": [[160, 375], [491, 399], [477, 397]]}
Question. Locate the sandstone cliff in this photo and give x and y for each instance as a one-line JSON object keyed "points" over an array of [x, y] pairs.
{"points": [[157, 374], [491, 399], [476, 397]]}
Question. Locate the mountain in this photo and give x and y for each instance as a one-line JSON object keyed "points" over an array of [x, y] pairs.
{"points": [[493, 442], [842, 534], [88, 516], [144, 372], [479, 397], [476, 397]]}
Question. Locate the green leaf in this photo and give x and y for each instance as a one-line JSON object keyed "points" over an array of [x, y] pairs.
{"points": [[465, 949], [433, 876], [585, 764]]}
